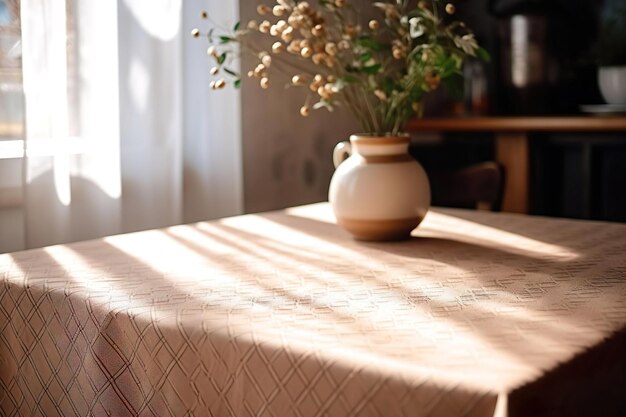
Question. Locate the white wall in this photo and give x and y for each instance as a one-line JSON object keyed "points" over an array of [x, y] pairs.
{"points": [[11, 213]]}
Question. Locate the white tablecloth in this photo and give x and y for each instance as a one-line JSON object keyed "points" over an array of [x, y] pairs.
{"points": [[283, 314]]}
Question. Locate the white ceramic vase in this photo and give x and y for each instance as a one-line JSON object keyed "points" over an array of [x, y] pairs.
{"points": [[612, 83], [379, 192]]}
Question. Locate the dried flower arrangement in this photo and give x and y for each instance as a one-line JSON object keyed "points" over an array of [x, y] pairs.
{"points": [[380, 69]]}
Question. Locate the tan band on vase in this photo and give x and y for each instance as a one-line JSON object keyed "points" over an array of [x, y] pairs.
{"points": [[386, 159], [379, 140], [380, 229]]}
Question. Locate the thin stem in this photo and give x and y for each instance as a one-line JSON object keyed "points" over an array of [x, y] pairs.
{"points": [[366, 121], [372, 113], [363, 121], [350, 100]]}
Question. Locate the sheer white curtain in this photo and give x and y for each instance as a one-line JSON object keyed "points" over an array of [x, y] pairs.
{"points": [[107, 147], [72, 177]]}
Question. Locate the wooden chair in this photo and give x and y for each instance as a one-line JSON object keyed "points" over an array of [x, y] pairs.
{"points": [[478, 186]]}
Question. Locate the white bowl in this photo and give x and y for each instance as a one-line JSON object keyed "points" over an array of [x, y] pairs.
{"points": [[612, 83]]}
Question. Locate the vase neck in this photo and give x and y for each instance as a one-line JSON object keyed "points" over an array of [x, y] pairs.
{"points": [[379, 145]]}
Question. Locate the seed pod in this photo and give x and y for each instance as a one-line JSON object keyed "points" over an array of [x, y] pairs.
{"points": [[330, 48], [298, 80], [314, 86], [263, 9], [265, 83], [259, 71], [195, 32], [318, 58], [293, 21], [287, 34], [279, 11], [267, 61], [373, 24], [330, 88], [450, 9], [305, 111], [265, 26], [220, 84], [214, 70], [321, 91], [318, 30], [303, 7], [278, 47], [306, 52]]}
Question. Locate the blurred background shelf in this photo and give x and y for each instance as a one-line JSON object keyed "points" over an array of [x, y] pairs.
{"points": [[570, 166]]}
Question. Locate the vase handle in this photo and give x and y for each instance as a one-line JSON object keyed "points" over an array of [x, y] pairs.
{"points": [[341, 152]]}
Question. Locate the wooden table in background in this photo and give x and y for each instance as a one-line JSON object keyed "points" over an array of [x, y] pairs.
{"points": [[511, 138]]}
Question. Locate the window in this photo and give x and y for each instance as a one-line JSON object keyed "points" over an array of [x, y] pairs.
{"points": [[11, 94], [11, 127], [84, 116]]}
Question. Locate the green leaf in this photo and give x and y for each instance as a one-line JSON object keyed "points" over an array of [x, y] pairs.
{"points": [[365, 57], [226, 39], [369, 43], [483, 54], [221, 58], [414, 13], [454, 86], [229, 71], [447, 65], [388, 85], [372, 69], [237, 25], [237, 83]]}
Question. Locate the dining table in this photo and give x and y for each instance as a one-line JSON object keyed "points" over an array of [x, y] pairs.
{"points": [[283, 314]]}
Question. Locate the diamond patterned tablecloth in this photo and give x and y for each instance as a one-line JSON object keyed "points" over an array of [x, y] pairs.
{"points": [[282, 314]]}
